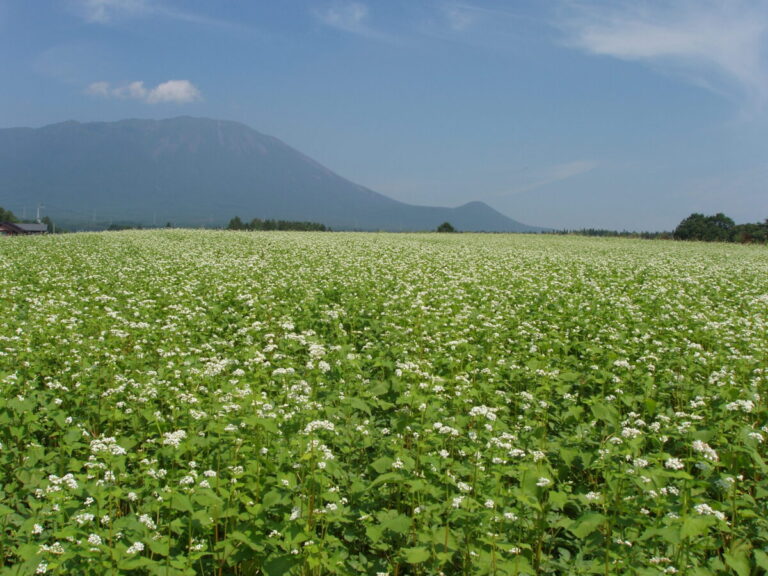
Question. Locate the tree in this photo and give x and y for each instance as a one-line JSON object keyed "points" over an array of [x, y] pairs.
{"points": [[236, 224], [7, 215], [49, 223], [717, 228], [446, 227]]}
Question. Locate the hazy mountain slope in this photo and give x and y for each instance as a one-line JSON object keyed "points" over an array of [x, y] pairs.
{"points": [[193, 171]]}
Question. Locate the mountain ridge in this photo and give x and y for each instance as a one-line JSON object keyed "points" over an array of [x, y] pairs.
{"points": [[200, 171]]}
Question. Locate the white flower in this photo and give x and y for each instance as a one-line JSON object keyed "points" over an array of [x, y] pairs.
{"points": [[135, 548], [705, 450], [94, 540], [174, 438], [83, 518], [107, 444], [741, 405], [319, 425], [674, 464], [543, 481], [707, 510], [489, 413], [490, 504]]}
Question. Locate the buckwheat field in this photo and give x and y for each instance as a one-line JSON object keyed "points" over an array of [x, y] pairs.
{"points": [[220, 403]]}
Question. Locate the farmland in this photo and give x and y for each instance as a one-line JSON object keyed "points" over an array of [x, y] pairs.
{"points": [[198, 402]]}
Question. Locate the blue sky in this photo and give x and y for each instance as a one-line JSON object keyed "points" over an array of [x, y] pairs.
{"points": [[570, 114]]}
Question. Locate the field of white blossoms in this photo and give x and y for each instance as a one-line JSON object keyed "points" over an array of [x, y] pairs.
{"points": [[211, 403]]}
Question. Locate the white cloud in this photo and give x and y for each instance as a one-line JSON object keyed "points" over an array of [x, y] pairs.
{"points": [[98, 89], [174, 91], [348, 16], [178, 91], [103, 11], [717, 44], [108, 11], [458, 17], [352, 17]]}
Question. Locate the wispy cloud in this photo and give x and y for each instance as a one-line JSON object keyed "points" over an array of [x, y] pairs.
{"points": [[103, 11], [172, 91], [459, 17], [351, 17], [551, 175], [109, 11], [718, 44]]}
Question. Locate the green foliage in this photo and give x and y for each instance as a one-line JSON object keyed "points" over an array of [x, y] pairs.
{"points": [[720, 228], [7, 215], [283, 225], [446, 227], [200, 402], [717, 228]]}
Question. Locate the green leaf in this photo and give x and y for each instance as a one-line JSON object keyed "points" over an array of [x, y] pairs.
{"points": [[605, 412], [279, 565], [416, 555], [272, 498], [360, 405], [379, 389], [181, 502], [558, 500], [738, 561], [389, 477], [587, 523], [134, 563], [382, 465], [568, 455], [695, 526], [761, 559], [245, 539], [391, 520]]}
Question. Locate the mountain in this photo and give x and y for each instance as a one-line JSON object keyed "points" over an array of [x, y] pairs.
{"points": [[199, 172]]}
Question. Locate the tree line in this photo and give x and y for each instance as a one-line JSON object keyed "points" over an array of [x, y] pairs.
{"points": [[720, 228], [715, 228], [258, 224], [603, 232]]}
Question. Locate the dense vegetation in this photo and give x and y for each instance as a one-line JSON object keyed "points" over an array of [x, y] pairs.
{"points": [[190, 402], [607, 233], [284, 225], [7, 215], [716, 228], [720, 228]]}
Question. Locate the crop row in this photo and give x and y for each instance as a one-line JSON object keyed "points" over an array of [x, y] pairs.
{"points": [[190, 402]]}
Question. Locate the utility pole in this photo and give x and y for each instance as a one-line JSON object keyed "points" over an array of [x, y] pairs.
{"points": [[39, 206]]}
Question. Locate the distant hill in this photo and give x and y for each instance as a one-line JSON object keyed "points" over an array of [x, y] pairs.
{"points": [[199, 172]]}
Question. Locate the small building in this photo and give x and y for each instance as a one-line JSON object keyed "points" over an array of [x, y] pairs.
{"points": [[20, 228]]}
